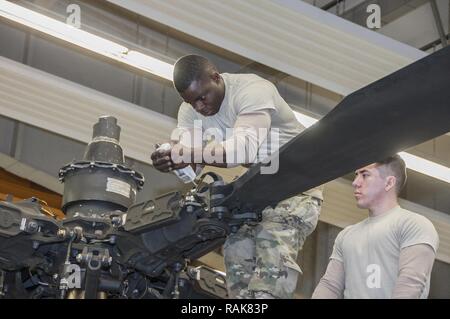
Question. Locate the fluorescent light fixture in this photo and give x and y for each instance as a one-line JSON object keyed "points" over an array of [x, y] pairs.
{"points": [[149, 64], [59, 29], [84, 39], [305, 120], [426, 167], [146, 63]]}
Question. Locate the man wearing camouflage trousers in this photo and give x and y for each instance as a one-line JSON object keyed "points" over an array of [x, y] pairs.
{"points": [[260, 260]]}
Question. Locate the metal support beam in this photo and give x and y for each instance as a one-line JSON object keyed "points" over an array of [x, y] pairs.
{"points": [[433, 44], [329, 5], [438, 21], [17, 140]]}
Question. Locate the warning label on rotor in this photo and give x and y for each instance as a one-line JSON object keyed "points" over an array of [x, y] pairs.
{"points": [[117, 186]]}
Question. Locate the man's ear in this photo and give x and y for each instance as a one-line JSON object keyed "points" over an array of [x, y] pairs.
{"points": [[391, 181], [215, 76]]}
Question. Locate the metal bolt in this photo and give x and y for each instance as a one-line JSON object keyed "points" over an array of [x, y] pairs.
{"points": [[78, 232], [32, 227], [116, 220], [61, 233], [106, 260], [98, 233], [79, 258]]}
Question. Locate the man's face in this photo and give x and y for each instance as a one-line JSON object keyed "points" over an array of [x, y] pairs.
{"points": [[205, 95], [369, 186]]}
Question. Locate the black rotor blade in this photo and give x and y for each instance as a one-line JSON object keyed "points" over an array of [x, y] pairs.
{"points": [[404, 109]]}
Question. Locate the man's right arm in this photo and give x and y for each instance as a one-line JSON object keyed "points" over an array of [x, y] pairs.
{"points": [[184, 134], [415, 265], [332, 284]]}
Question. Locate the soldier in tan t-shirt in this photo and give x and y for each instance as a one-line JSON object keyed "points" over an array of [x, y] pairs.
{"points": [[388, 255]]}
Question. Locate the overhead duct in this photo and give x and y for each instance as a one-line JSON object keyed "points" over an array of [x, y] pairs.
{"points": [[288, 35]]}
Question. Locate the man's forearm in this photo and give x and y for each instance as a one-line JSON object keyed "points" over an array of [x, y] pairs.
{"points": [[326, 290], [331, 286], [415, 266], [241, 148], [213, 154]]}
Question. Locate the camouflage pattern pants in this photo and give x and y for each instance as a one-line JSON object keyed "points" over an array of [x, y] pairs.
{"points": [[260, 260]]}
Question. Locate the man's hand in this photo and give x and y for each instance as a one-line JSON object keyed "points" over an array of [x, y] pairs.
{"points": [[162, 161]]}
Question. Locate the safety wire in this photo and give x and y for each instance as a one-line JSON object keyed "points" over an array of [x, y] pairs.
{"points": [[67, 261]]}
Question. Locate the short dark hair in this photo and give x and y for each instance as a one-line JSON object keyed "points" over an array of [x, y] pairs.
{"points": [[395, 166], [188, 69]]}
